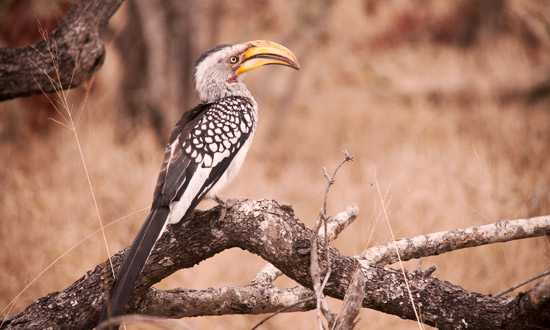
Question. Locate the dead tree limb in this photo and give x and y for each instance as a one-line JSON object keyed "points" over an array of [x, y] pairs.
{"points": [[335, 226], [445, 241], [347, 318], [69, 56], [272, 231]]}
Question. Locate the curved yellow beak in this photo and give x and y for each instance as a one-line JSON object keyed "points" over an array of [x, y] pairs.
{"points": [[265, 52]]}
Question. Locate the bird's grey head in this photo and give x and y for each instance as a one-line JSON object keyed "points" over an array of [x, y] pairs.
{"points": [[218, 72]]}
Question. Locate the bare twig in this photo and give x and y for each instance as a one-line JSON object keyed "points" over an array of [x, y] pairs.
{"points": [[332, 227], [315, 268], [347, 319], [270, 273], [445, 241], [527, 281], [331, 179]]}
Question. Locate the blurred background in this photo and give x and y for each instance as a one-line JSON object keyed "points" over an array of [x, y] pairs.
{"points": [[444, 104]]}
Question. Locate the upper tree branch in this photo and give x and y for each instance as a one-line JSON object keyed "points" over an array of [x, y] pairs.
{"points": [[272, 231], [65, 59], [445, 241]]}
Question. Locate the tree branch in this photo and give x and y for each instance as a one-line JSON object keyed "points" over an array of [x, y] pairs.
{"points": [[272, 232], [252, 299], [335, 226], [66, 59], [347, 318], [446, 241]]}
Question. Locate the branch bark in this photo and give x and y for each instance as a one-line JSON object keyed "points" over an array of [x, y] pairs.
{"points": [[446, 241], [347, 318], [66, 59], [271, 231], [335, 226]]}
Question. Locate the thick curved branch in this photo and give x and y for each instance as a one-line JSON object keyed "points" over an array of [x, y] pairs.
{"points": [[64, 60], [272, 231], [446, 241], [259, 297], [335, 226]]}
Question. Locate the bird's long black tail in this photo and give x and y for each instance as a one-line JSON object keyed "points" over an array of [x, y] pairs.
{"points": [[134, 262]]}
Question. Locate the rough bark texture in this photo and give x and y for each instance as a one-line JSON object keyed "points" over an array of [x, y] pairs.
{"points": [[252, 299], [69, 56], [347, 319], [272, 232], [445, 241]]}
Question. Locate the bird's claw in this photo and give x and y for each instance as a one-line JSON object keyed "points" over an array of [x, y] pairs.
{"points": [[218, 200], [224, 206]]}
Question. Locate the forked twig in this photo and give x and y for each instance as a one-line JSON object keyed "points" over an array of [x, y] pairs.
{"points": [[315, 268], [270, 273]]}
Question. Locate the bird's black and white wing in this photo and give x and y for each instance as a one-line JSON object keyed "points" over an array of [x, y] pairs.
{"points": [[201, 151]]}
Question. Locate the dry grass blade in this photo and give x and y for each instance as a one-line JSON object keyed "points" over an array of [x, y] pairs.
{"points": [[387, 220], [155, 322], [7, 309], [519, 285], [282, 310], [315, 271], [62, 96]]}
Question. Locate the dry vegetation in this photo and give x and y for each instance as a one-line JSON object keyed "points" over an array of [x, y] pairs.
{"points": [[433, 122]]}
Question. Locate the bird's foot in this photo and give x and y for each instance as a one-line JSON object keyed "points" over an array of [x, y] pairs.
{"points": [[218, 200], [224, 206]]}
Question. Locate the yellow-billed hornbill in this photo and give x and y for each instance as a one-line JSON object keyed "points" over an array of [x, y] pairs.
{"points": [[205, 151]]}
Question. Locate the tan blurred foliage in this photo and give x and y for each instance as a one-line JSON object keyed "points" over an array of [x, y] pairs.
{"points": [[445, 103]]}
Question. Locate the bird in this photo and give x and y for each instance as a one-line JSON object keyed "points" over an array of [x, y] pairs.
{"points": [[205, 151]]}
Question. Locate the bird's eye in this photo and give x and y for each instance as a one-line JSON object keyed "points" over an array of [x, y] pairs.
{"points": [[233, 59]]}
